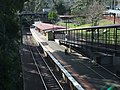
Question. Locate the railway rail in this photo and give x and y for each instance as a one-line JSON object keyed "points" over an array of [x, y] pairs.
{"points": [[102, 73], [98, 72], [46, 73]]}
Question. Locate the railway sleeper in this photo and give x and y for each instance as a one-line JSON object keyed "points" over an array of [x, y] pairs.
{"points": [[63, 75]]}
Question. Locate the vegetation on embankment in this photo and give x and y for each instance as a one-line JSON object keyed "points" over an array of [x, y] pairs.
{"points": [[10, 68]]}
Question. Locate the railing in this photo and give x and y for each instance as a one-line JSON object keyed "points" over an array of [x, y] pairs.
{"points": [[103, 38]]}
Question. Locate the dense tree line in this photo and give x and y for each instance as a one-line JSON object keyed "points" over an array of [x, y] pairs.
{"points": [[9, 44], [91, 10], [35, 6]]}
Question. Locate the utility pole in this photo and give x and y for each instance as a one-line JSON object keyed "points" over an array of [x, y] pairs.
{"points": [[114, 4], [111, 4], [114, 17], [21, 29]]}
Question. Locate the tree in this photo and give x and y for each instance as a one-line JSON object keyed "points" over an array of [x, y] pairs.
{"points": [[59, 6], [79, 7], [90, 10], [9, 44], [52, 16], [39, 5], [35, 6], [95, 12]]}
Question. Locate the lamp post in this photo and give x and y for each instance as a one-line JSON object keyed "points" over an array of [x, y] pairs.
{"points": [[114, 4], [111, 4], [114, 15], [21, 28], [53, 30], [66, 25]]}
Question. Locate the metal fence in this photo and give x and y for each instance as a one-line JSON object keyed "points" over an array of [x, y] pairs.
{"points": [[101, 38]]}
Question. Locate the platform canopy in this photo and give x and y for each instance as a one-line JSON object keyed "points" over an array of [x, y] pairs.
{"points": [[47, 26]]}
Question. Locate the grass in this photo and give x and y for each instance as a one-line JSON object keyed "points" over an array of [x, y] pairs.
{"points": [[69, 25], [72, 25], [105, 22]]}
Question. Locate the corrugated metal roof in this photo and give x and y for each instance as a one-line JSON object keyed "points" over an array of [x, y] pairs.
{"points": [[47, 26]]}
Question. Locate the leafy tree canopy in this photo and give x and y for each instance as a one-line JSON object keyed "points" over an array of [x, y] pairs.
{"points": [[79, 7], [95, 12], [59, 6], [35, 5], [52, 16], [91, 10], [9, 44]]}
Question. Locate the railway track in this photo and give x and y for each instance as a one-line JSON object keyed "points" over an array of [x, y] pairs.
{"points": [[93, 66], [102, 72], [47, 74], [99, 74]]}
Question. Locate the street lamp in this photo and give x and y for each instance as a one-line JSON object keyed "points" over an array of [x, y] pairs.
{"points": [[21, 28], [53, 30], [114, 15], [114, 4], [111, 4]]}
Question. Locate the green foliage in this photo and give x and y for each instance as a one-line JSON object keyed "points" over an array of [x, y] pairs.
{"points": [[95, 12], [52, 16], [59, 6], [35, 5], [39, 5], [79, 7], [9, 71], [91, 10], [9, 45], [10, 6], [74, 25]]}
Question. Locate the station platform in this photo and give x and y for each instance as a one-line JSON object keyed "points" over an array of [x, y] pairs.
{"points": [[77, 65], [68, 61]]}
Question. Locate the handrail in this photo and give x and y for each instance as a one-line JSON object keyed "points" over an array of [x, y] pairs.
{"points": [[91, 27], [99, 37]]}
